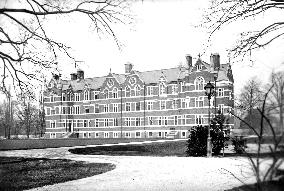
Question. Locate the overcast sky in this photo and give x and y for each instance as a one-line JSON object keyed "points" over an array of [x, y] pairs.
{"points": [[164, 31]]}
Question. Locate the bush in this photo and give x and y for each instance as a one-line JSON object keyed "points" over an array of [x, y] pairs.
{"points": [[239, 145]]}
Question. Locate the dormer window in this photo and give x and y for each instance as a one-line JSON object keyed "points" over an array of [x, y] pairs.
{"points": [[127, 92], [115, 93], [199, 67], [137, 91], [106, 94], [162, 89], [86, 95], [199, 83]]}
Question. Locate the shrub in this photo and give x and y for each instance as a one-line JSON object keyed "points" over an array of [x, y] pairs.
{"points": [[239, 145]]}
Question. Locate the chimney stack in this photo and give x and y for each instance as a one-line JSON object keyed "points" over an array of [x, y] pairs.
{"points": [[128, 68], [188, 60], [215, 61], [73, 76], [80, 74]]}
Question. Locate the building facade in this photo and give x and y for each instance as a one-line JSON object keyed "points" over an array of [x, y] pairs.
{"points": [[151, 104]]}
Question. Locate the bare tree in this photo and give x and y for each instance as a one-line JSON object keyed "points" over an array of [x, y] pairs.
{"points": [[224, 12], [26, 48], [275, 104]]}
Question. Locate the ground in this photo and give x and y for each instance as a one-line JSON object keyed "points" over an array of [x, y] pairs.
{"points": [[150, 173]]}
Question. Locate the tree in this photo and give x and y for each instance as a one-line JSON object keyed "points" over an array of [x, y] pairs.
{"points": [[224, 12], [250, 97], [276, 97], [26, 48]]}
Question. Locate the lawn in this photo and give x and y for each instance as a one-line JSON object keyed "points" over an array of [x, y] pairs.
{"points": [[26, 173], [177, 148]]}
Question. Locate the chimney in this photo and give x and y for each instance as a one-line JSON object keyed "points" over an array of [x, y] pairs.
{"points": [[188, 60], [128, 68], [80, 74], [215, 61], [73, 76]]}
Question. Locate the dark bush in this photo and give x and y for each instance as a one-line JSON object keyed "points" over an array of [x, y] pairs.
{"points": [[239, 145]]}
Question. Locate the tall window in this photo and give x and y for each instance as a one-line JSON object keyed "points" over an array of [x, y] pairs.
{"points": [[127, 121], [163, 121], [221, 108], [175, 104], [52, 124], [127, 92], [137, 91], [176, 120], [183, 119], [106, 94], [199, 119], [162, 88], [106, 122], [77, 97], [220, 92], [137, 121], [115, 122], [182, 87], [86, 95], [199, 83], [151, 121], [150, 105], [51, 98], [127, 106], [114, 93], [150, 90], [137, 106], [85, 123], [96, 95], [184, 103], [97, 108], [105, 108], [162, 105], [97, 123], [174, 89], [115, 107], [200, 102]]}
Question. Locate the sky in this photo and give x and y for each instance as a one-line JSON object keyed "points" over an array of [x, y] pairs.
{"points": [[162, 33]]}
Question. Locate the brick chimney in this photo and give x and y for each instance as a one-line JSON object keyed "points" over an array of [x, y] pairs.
{"points": [[73, 76], [80, 74], [188, 60], [215, 61], [128, 68]]}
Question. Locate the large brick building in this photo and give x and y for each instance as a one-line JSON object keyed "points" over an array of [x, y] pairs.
{"points": [[157, 103]]}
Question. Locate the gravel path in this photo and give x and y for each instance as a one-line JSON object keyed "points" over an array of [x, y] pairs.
{"points": [[150, 173]]}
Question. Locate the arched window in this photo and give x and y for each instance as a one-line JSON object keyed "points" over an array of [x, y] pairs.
{"points": [[127, 92], [106, 94], [86, 95], [114, 93], [137, 91], [199, 83]]}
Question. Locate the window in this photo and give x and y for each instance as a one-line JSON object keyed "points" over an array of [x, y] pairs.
{"points": [[183, 119], [183, 134], [200, 102], [137, 91], [127, 106], [127, 121], [221, 108], [150, 105], [127, 92], [150, 90], [51, 98], [106, 134], [199, 67], [78, 123], [52, 124], [176, 120], [174, 89], [96, 95], [127, 135], [115, 134], [162, 105], [220, 92], [150, 134], [106, 94], [97, 124], [137, 106], [52, 135], [69, 96], [163, 121], [97, 108], [160, 134], [182, 87], [137, 134], [115, 93], [86, 95], [175, 104], [106, 122], [199, 83], [115, 122], [105, 108], [63, 97], [115, 107], [199, 119], [87, 110], [137, 121], [184, 103], [97, 135], [162, 89], [85, 123], [77, 97], [74, 123], [151, 121]]}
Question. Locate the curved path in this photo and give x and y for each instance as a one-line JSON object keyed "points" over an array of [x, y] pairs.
{"points": [[149, 173]]}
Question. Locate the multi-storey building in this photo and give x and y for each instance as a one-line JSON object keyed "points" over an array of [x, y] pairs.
{"points": [[136, 104]]}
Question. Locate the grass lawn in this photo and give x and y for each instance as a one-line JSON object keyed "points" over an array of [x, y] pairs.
{"points": [[26, 173], [177, 148]]}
